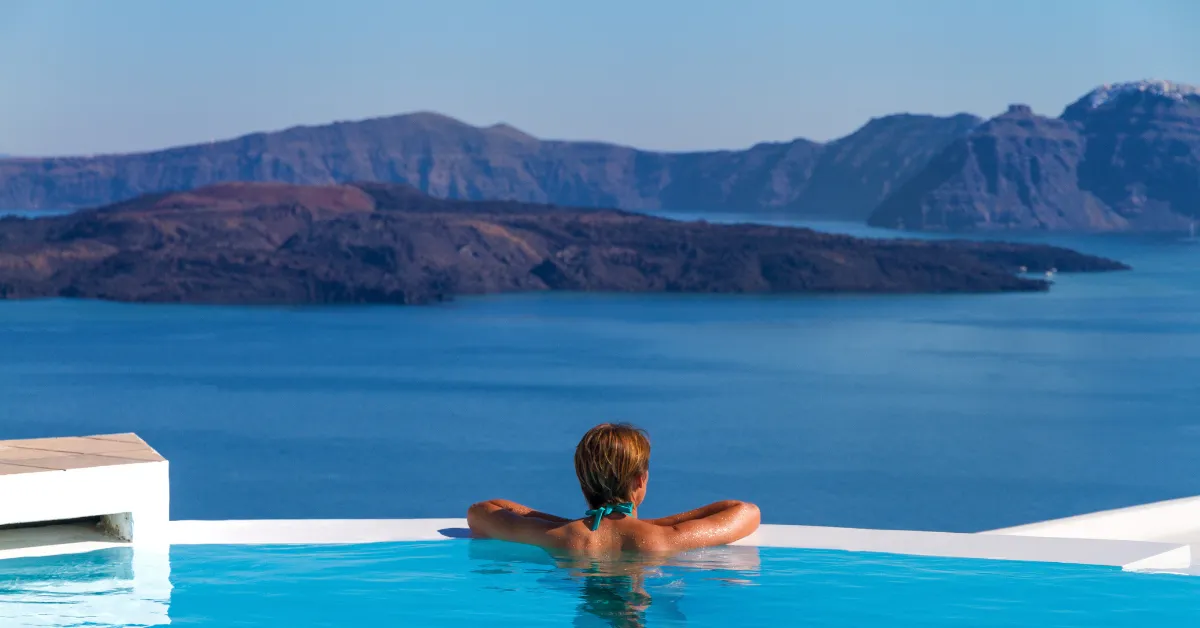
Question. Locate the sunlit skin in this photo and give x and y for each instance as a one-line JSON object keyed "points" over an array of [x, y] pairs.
{"points": [[614, 588], [718, 523]]}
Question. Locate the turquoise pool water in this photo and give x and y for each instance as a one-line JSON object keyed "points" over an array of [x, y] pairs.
{"points": [[488, 583]]}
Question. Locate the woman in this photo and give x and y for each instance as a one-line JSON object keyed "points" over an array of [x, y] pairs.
{"points": [[612, 462]]}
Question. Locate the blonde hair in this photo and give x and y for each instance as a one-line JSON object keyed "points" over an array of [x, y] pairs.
{"points": [[609, 461]]}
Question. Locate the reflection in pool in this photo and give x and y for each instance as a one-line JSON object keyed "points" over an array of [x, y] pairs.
{"points": [[615, 592], [112, 587]]}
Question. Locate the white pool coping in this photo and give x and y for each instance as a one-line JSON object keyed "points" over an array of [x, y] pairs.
{"points": [[1171, 521], [1129, 555]]}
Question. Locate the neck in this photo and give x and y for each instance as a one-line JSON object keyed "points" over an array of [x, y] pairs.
{"points": [[634, 512]]}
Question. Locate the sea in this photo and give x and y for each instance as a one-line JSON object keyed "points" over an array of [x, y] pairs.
{"points": [[948, 412]]}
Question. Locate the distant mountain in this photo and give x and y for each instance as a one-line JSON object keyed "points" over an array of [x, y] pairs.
{"points": [[446, 158], [1123, 157]]}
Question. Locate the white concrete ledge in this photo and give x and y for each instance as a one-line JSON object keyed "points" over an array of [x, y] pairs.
{"points": [[314, 531], [986, 546], [115, 477], [1125, 554], [1173, 521]]}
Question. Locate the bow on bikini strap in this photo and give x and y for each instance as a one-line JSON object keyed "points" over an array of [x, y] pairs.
{"points": [[607, 509]]}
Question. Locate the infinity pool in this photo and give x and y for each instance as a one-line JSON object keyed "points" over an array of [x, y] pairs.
{"points": [[488, 583]]}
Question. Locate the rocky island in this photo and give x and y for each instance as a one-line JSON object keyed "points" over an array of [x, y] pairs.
{"points": [[272, 243]]}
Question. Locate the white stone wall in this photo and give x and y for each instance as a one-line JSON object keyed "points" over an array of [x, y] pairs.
{"points": [[140, 493]]}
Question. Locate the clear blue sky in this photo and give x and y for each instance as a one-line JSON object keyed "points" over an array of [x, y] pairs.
{"points": [[86, 76]]}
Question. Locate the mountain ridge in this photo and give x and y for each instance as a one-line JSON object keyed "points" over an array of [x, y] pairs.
{"points": [[451, 159], [1123, 157]]}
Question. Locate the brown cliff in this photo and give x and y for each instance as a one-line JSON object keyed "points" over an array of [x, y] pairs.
{"points": [[1124, 157]]}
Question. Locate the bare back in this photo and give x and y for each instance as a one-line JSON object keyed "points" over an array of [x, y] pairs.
{"points": [[715, 524], [614, 536]]}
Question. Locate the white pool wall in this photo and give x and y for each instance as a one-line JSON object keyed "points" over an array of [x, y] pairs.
{"points": [[136, 497]]}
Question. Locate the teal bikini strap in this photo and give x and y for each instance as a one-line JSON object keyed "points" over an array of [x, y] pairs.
{"points": [[597, 514]]}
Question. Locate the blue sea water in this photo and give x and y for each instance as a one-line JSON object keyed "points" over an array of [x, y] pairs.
{"points": [[489, 583], [958, 413]]}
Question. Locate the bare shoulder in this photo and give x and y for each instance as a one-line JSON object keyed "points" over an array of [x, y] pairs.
{"points": [[645, 537]]}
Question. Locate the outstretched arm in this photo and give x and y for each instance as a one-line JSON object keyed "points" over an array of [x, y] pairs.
{"points": [[510, 521], [715, 524]]}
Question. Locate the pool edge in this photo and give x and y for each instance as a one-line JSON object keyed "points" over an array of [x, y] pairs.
{"points": [[1129, 555]]}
